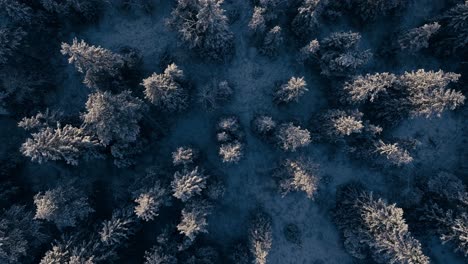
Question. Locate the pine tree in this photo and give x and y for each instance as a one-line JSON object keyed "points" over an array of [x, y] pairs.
{"points": [[165, 91], [10, 41], [67, 143], [450, 226], [113, 117], [98, 64], [454, 30], [368, 87], [203, 25], [298, 175], [20, 235], [16, 12], [260, 237], [272, 42], [388, 233], [264, 125], [88, 9], [306, 21], [157, 255], [291, 91], [428, 95], [64, 205], [149, 202], [257, 22], [193, 220], [309, 51], [370, 10], [337, 124], [418, 38], [231, 152], [340, 54], [188, 183], [184, 156], [291, 137], [118, 228], [394, 153]]}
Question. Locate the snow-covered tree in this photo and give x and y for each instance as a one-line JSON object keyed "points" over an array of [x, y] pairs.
{"points": [[272, 42], [454, 30], [337, 124], [418, 38], [10, 41], [231, 152], [184, 156], [118, 228], [113, 117], [188, 183], [165, 90], [340, 54], [86, 8], [260, 237], [157, 255], [64, 205], [20, 234], [66, 143], [370, 10], [291, 137], [291, 91], [203, 25], [298, 175], [368, 87], [16, 12], [258, 22], [98, 64], [264, 125], [447, 186], [388, 233], [149, 202], [306, 21], [38, 121], [451, 227], [428, 93], [194, 220], [374, 228], [393, 153], [309, 51]]}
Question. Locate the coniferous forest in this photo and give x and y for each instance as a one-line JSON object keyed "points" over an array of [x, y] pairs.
{"points": [[233, 131]]}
